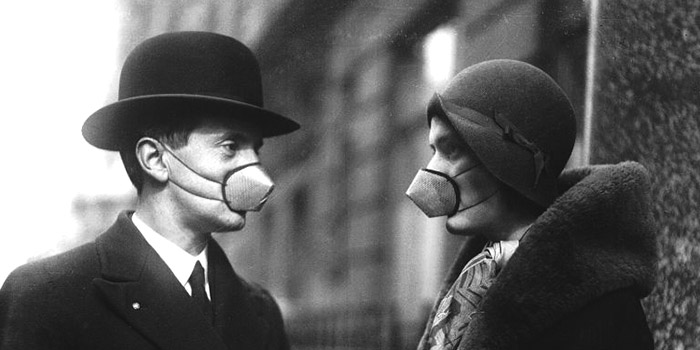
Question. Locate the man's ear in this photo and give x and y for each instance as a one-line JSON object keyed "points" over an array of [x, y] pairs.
{"points": [[149, 153]]}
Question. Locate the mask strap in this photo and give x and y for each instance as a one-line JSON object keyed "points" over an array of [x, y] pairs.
{"points": [[196, 194], [203, 195], [477, 203], [457, 209], [468, 169], [172, 153]]}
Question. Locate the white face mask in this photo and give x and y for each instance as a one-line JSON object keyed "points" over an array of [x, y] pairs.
{"points": [[245, 188], [438, 194]]}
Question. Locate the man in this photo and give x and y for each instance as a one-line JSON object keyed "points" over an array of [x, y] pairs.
{"points": [[552, 260], [188, 124]]}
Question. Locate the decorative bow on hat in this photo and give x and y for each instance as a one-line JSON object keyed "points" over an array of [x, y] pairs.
{"points": [[501, 125], [511, 133]]}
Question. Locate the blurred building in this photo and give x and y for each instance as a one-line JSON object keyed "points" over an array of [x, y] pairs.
{"points": [[354, 264], [357, 263]]}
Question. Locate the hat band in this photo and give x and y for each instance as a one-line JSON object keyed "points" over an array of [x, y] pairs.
{"points": [[502, 126]]}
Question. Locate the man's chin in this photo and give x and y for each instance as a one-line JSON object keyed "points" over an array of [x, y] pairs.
{"points": [[230, 228], [235, 223]]}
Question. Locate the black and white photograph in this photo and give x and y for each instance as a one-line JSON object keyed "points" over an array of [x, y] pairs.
{"points": [[350, 174]]}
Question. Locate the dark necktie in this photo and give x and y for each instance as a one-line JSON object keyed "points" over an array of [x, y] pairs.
{"points": [[199, 294]]}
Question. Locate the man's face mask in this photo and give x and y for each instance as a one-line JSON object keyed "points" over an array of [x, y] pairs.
{"points": [[245, 188], [438, 194]]}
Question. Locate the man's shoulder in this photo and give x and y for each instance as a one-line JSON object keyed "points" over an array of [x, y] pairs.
{"points": [[76, 264], [262, 301], [259, 296], [258, 293], [43, 273]]}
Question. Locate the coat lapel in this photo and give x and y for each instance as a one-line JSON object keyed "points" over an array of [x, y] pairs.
{"points": [[143, 291], [235, 315]]}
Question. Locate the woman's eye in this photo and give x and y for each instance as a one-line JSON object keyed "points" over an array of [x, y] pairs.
{"points": [[449, 148]]}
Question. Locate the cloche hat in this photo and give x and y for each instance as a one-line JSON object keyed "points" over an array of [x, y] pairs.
{"points": [[180, 70], [516, 119]]}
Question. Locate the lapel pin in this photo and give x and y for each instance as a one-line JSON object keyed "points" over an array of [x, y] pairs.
{"points": [[136, 306]]}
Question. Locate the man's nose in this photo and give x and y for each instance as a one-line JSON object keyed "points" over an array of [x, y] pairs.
{"points": [[249, 155]]}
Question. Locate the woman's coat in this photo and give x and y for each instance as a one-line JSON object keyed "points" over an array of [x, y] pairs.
{"points": [[577, 277]]}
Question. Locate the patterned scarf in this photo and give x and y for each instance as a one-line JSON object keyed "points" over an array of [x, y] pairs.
{"points": [[462, 300]]}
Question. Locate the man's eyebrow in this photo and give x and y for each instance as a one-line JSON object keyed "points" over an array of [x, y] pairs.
{"points": [[238, 135]]}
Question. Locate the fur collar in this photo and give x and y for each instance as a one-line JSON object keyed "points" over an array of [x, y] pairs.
{"points": [[596, 237]]}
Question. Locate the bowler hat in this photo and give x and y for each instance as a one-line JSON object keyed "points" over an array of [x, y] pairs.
{"points": [[516, 119], [184, 71]]}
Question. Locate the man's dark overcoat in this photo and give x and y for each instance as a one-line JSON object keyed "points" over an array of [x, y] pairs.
{"points": [[116, 293], [577, 277]]}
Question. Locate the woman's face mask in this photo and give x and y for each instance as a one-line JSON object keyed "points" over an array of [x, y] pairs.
{"points": [[438, 194], [245, 188]]}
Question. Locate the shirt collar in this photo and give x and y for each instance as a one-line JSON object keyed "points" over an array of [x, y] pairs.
{"points": [[180, 262]]}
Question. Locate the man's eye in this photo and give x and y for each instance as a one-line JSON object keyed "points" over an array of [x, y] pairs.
{"points": [[230, 146]]}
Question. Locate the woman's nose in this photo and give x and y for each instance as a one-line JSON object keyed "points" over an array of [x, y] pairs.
{"points": [[437, 163]]}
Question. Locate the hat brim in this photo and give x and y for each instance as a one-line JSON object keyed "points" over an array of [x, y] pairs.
{"points": [[113, 125], [501, 157]]}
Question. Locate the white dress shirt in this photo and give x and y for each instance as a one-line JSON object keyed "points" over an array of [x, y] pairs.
{"points": [[180, 262]]}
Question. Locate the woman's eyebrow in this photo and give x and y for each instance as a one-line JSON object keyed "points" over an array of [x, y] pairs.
{"points": [[440, 140]]}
